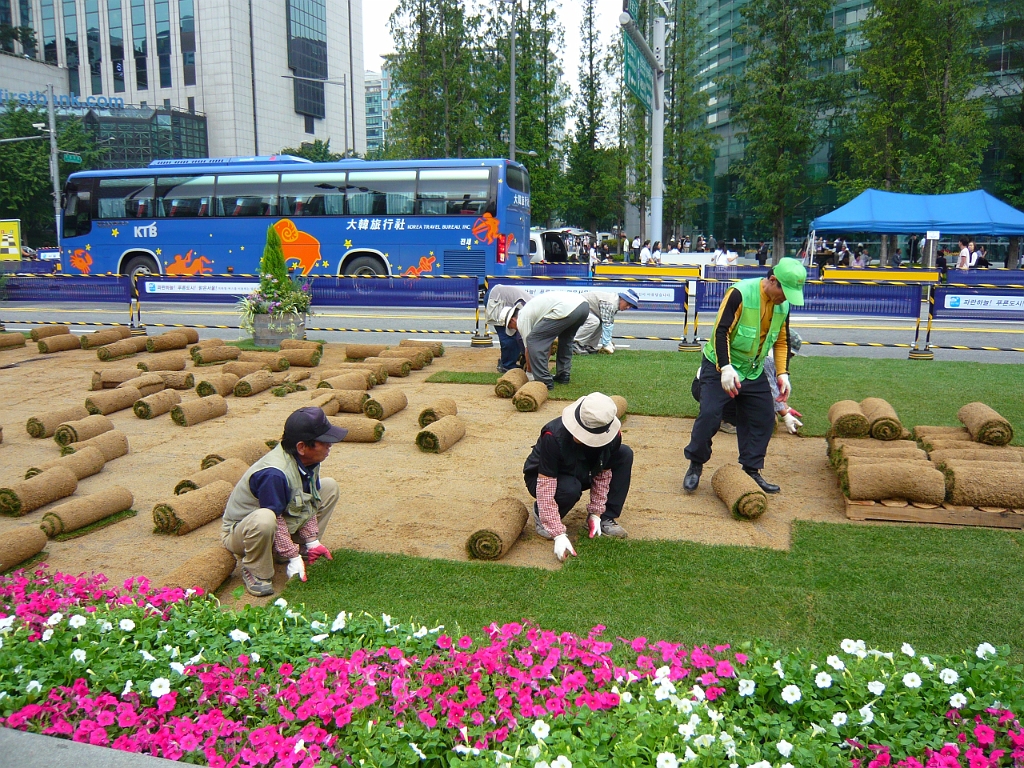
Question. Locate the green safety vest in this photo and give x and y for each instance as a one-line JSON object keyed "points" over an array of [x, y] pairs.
{"points": [[746, 357]]}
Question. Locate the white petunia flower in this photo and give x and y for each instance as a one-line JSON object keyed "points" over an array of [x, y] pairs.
{"points": [[318, 638], [6, 623], [836, 663], [316, 626], [47, 634], [126, 625], [957, 700], [823, 680], [777, 666], [105, 626], [160, 687], [689, 755], [146, 655], [683, 705], [704, 740], [281, 602], [540, 729], [77, 621], [984, 651], [178, 667], [339, 622], [839, 719], [912, 680], [816, 730], [255, 656], [908, 649], [421, 632], [626, 697], [33, 686], [848, 646], [927, 664], [78, 655], [238, 635], [785, 748], [877, 687], [791, 694], [786, 765], [660, 673], [715, 715], [698, 693], [127, 688], [533, 751], [746, 687], [386, 619], [561, 762], [55, 619], [540, 764], [419, 752], [867, 716], [949, 676], [667, 760]]}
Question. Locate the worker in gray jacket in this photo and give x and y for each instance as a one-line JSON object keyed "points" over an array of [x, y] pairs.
{"points": [[501, 303], [549, 316], [595, 335]]}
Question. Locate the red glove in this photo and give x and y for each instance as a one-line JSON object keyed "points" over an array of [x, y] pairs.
{"points": [[315, 550]]}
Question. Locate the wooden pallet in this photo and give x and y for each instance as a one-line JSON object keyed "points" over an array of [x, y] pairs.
{"points": [[903, 512]]}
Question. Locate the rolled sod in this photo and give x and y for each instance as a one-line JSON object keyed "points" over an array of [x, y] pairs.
{"points": [[395, 366], [302, 344], [240, 369], [327, 403], [360, 430], [885, 424], [20, 544], [344, 381], [207, 343], [296, 375], [271, 361], [985, 424], [168, 361], [167, 341], [147, 383], [229, 470], [841, 448], [222, 384], [510, 382], [497, 530], [436, 347], [440, 435], [416, 357], [45, 424], [112, 400], [621, 406], [82, 429], [844, 462], [530, 396], [306, 358], [120, 349], [197, 411], [910, 480], [739, 492], [182, 514], [942, 433], [109, 378], [156, 404], [363, 351], [206, 571], [842, 456], [249, 451], [85, 463], [385, 404], [380, 373], [100, 339], [932, 444], [177, 379], [210, 355], [112, 444], [61, 343], [288, 388], [254, 383], [47, 331], [11, 340], [848, 420], [23, 497], [443, 406], [981, 484], [1008, 455], [86, 510], [349, 400], [191, 334]]}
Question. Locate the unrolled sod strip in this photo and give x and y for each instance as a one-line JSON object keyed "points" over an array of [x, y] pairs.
{"points": [[240, 369], [249, 451], [510, 382], [530, 396], [62, 343], [497, 530], [112, 400], [1008, 455], [197, 411], [206, 571], [182, 514], [848, 420], [20, 544], [210, 355], [344, 381], [156, 404], [271, 361], [360, 430], [229, 470], [885, 424], [980, 484], [441, 435], [166, 361], [83, 464], [738, 491], [910, 480], [443, 406], [104, 337], [177, 379], [11, 340], [222, 384], [435, 346], [416, 357], [395, 366], [86, 510], [942, 433], [45, 424], [121, 349], [20, 498], [167, 341], [47, 331], [985, 424], [386, 403], [363, 351], [82, 429], [326, 401], [288, 388], [621, 406], [302, 344], [254, 383], [306, 358], [147, 383], [112, 444]]}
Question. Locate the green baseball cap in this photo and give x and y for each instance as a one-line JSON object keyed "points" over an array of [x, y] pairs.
{"points": [[791, 275]]}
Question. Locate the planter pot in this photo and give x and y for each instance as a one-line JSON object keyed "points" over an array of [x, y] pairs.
{"points": [[270, 332]]}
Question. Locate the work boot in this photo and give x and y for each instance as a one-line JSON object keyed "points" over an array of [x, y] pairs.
{"points": [[613, 529], [539, 526], [562, 378], [726, 427], [256, 586], [692, 479], [761, 482]]}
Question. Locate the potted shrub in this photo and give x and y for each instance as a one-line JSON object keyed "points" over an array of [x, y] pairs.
{"points": [[276, 310]]}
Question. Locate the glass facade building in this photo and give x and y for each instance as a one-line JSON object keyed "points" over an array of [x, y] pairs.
{"points": [[374, 112]]}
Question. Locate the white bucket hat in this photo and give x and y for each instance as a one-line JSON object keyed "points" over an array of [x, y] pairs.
{"points": [[592, 420]]}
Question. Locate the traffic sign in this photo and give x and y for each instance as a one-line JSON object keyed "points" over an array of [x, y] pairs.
{"points": [[71, 157], [632, 7], [638, 73]]}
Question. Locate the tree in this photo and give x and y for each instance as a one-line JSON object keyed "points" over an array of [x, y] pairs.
{"points": [[783, 102], [1008, 92], [318, 152]]}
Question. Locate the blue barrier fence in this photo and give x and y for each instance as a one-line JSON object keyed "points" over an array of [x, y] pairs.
{"points": [[81, 288], [834, 299], [978, 303], [560, 270], [28, 267], [987, 277], [654, 296], [743, 272]]}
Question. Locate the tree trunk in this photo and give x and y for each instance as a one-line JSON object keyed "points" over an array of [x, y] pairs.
{"points": [[779, 238], [883, 252], [1013, 252]]}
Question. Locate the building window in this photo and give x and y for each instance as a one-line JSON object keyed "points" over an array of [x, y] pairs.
{"points": [[25, 6], [192, 104], [310, 124], [162, 9], [307, 55], [71, 46], [187, 39], [114, 24], [49, 31], [6, 20], [92, 42], [139, 43]]}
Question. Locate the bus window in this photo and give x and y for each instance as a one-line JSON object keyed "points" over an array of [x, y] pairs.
{"points": [[250, 194], [313, 194], [77, 211], [183, 196], [381, 193], [518, 179], [126, 198], [453, 192]]}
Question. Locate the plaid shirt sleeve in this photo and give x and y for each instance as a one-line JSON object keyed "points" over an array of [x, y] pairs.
{"points": [[283, 543], [608, 312], [546, 506], [599, 493]]}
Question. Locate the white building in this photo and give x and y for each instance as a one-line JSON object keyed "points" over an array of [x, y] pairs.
{"points": [[267, 74]]}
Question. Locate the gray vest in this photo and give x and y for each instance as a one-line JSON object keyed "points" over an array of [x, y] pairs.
{"points": [[302, 506]]}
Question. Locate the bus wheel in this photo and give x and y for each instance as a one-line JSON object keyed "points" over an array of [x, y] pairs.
{"points": [[362, 266], [137, 266]]}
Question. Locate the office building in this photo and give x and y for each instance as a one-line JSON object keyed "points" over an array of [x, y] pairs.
{"points": [[374, 115]]}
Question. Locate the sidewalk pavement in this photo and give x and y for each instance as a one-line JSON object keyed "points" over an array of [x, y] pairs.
{"points": [[26, 750]]}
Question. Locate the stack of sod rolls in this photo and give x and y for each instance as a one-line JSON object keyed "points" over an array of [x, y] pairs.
{"points": [[156, 404], [20, 544], [45, 424], [214, 355], [46, 331], [84, 463], [510, 383], [440, 435], [122, 348], [846, 419], [985, 425], [88, 513], [182, 514], [904, 478], [197, 411], [205, 571], [166, 361], [20, 498], [443, 406], [385, 404], [60, 343], [167, 341], [112, 444], [739, 492], [530, 396], [82, 429], [248, 451], [497, 530], [222, 384], [360, 430], [229, 470]]}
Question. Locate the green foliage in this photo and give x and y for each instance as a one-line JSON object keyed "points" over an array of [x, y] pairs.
{"points": [[279, 293], [319, 151], [272, 266]]}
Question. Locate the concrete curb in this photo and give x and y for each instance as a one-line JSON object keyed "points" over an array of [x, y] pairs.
{"points": [[23, 748]]}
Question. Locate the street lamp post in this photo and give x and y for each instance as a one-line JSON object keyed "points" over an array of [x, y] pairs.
{"points": [[512, 84]]}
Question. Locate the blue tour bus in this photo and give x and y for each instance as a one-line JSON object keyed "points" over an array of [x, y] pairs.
{"points": [[354, 217]]}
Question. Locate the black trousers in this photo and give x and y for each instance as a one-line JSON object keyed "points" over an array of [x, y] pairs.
{"points": [[570, 488], [755, 417]]}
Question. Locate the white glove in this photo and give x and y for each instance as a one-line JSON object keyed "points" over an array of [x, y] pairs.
{"points": [[792, 422], [296, 568], [563, 547], [730, 380], [785, 388], [594, 524], [530, 376]]}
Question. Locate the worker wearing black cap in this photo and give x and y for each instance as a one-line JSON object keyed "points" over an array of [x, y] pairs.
{"points": [[281, 505]]}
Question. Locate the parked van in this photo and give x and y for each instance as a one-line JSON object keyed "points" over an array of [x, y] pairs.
{"points": [[547, 245]]}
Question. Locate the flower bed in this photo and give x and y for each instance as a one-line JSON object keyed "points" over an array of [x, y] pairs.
{"points": [[172, 674]]}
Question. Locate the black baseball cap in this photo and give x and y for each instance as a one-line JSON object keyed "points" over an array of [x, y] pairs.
{"points": [[310, 424]]}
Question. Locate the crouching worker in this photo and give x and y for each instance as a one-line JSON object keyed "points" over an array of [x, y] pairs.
{"points": [[595, 335], [582, 449], [281, 506]]}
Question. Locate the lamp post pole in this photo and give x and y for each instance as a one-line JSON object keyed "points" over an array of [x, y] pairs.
{"points": [[54, 168], [512, 89]]}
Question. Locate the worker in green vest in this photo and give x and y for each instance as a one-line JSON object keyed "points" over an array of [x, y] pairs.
{"points": [[752, 321]]}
